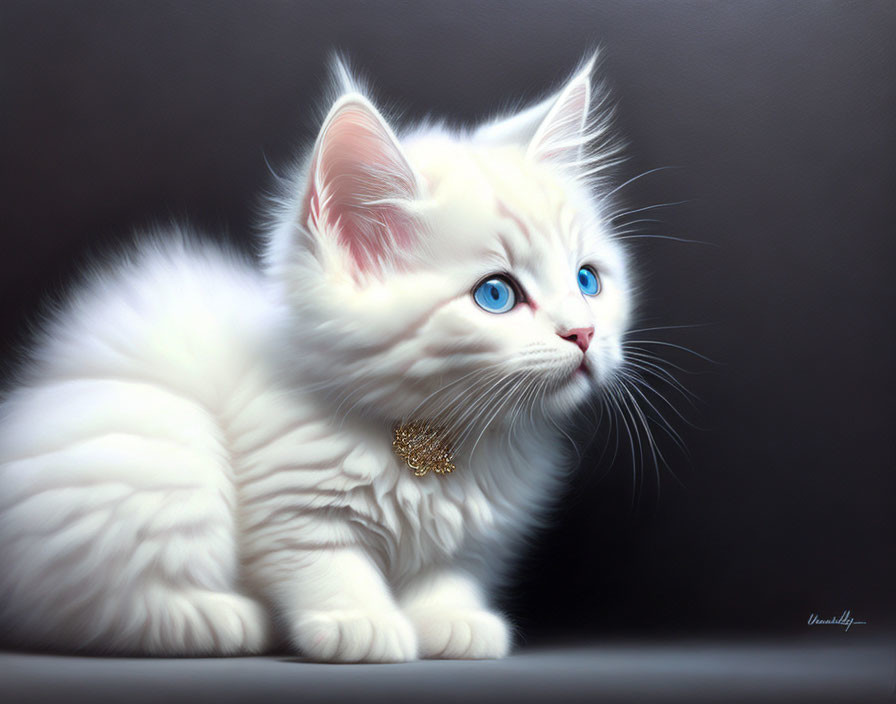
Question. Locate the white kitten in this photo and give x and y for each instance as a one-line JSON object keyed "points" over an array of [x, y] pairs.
{"points": [[199, 456]]}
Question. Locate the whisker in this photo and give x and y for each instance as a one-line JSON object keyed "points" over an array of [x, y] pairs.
{"points": [[616, 398], [497, 408], [669, 327], [671, 344], [638, 177], [665, 377], [648, 207], [638, 221], [447, 386], [666, 237], [465, 419], [635, 381], [646, 355], [635, 414]]}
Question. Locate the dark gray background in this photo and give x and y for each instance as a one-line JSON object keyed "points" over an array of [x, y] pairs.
{"points": [[780, 117]]}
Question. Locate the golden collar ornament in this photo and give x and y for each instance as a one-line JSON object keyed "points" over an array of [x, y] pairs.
{"points": [[424, 447]]}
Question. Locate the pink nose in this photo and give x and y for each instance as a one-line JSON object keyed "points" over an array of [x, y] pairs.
{"points": [[580, 336]]}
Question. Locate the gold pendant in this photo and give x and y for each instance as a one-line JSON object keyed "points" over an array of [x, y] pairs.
{"points": [[423, 447]]}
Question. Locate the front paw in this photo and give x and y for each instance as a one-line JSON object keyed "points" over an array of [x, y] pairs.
{"points": [[462, 634], [356, 636]]}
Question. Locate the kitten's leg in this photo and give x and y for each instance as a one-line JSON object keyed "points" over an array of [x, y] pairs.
{"points": [[340, 608], [451, 618]]}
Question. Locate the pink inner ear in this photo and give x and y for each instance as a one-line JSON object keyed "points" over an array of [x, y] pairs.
{"points": [[359, 181]]}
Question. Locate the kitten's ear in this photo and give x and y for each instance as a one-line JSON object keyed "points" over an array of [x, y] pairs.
{"points": [[552, 130], [360, 186], [561, 135]]}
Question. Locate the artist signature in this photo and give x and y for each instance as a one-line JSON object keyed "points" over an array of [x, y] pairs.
{"points": [[845, 620]]}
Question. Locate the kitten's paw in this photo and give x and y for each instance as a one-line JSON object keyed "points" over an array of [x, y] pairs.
{"points": [[465, 634], [242, 624], [200, 623], [356, 636]]}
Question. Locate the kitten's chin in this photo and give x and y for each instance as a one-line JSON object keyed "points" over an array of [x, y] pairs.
{"points": [[574, 390]]}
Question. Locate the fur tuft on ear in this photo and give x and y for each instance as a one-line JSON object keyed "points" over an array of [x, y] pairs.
{"points": [[360, 187], [344, 79]]}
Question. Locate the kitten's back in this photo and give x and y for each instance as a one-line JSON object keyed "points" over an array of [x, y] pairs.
{"points": [[114, 465]]}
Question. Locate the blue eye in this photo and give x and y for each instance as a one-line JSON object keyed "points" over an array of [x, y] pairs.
{"points": [[495, 296], [588, 281]]}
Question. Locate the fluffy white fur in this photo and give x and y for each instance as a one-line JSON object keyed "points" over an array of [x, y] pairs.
{"points": [[198, 459]]}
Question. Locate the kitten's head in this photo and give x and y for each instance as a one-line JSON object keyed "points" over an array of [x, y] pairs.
{"points": [[461, 276]]}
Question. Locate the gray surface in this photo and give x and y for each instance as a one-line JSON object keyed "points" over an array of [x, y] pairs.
{"points": [[842, 669]]}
